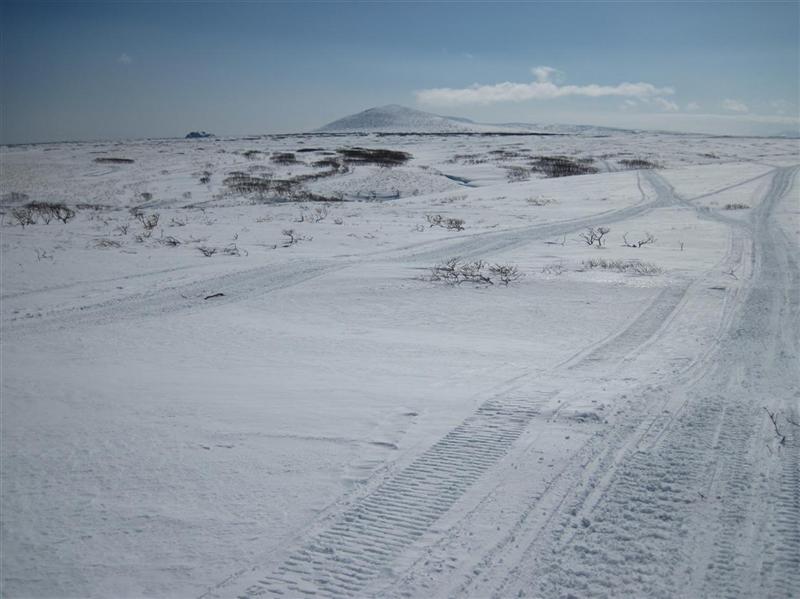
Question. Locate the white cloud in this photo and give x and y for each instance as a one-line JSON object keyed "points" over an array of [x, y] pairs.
{"points": [[667, 105], [734, 105], [541, 89], [692, 106], [124, 59]]}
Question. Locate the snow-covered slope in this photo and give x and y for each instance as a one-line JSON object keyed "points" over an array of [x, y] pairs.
{"points": [[399, 119], [394, 118]]}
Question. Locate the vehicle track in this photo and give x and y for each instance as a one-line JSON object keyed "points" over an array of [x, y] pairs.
{"points": [[190, 296], [677, 517], [483, 244], [340, 560]]}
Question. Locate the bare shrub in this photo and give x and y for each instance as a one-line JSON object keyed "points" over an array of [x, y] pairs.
{"points": [[47, 211], [123, 229], [646, 240], [736, 206], [515, 174], [23, 216], [107, 243], [454, 224], [636, 267], [252, 154], [380, 157], [562, 166], [594, 235], [43, 255], [455, 271], [293, 237], [284, 158], [637, 163], [507, 273], [556, 269], [232, 250], [148, 222], [205, 178], [540, 201], [112, 160], [169, 241], [207, 251], [434, 220]]}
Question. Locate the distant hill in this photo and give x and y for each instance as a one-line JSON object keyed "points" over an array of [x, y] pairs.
{"points": [[400, 119]]}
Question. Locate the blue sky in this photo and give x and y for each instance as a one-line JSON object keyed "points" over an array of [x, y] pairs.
{"points": [[103, 70]]}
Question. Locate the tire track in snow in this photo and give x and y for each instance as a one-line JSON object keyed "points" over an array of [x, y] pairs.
{"points": [[340, 560], [482, 244], [236, 286], [642, 535]]}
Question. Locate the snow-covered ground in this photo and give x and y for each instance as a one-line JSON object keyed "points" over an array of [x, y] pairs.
{"points": [[321, 418]]}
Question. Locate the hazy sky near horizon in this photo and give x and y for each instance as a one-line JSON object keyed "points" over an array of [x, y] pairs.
{"points": [[111, 69]]}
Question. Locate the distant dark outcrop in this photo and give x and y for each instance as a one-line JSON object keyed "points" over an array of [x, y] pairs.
{"points": [[198, 135]]}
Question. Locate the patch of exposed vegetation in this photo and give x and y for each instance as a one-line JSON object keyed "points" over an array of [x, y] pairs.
{"points": [[562, 166], [112, 160], [637, 163], [380, 157], [635, 267]]}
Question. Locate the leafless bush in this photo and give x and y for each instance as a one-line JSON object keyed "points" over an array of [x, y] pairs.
{"points": [[177, 222], [515, 174], [594, 235], [562, 166], [233, 250], [207, 251], [47, 211], [43, 255], [293, 237], [205, 178], [435, 220], [451, 224], [23, 216], [252, 154], [107, 243], [456, 271], [637, 163], [148, 222], [636, 267], [556, 269], [540, 201], [146, 196], [648, 239], [736, 206], [284, 158], [169, 241], [111, 160], [454, 224], [186, 195], [123, 229], [507, 273], [317, 215], [380, 157]]}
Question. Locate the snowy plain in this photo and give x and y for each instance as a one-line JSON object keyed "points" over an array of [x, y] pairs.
{"points": [[320, 418]]}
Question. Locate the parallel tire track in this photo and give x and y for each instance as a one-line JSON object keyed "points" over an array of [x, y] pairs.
{"points": [[342, 559]]}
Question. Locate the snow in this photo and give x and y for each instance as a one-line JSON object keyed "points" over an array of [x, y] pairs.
{"points": [[335, 422]]}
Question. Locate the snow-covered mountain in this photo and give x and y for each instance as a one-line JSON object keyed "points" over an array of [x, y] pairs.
{"points": [[394, 118], [399, 119]]}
